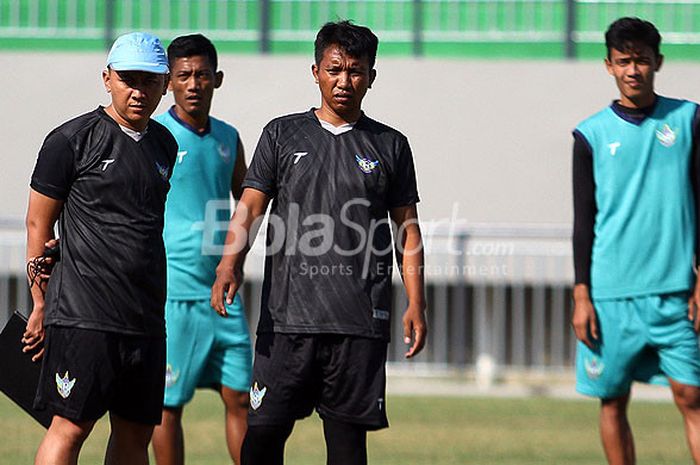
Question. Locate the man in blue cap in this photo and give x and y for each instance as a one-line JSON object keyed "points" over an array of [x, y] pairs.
{"points": [[104, 176]]}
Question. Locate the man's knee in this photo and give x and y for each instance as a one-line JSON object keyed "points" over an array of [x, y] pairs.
{"points": [[264, 445], [687, 397], [270, 434], [129, 432], [346, 443], [70, 432], [614, 407], [235, 401], [172, 416]]}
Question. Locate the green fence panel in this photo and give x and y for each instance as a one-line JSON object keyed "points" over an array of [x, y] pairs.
{"points": [[483, 28]]}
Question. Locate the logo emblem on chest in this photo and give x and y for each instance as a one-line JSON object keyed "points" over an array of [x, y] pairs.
{"points": [[297, 156], [106, 163], [666, 135], [365, 164], [613, 148], [224, 152], [163, 170]]}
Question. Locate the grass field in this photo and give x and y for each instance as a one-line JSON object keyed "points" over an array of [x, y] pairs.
{"points": [[424, 431]]}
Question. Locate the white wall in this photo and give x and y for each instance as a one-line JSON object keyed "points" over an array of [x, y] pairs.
{"points": [[492, 137]]}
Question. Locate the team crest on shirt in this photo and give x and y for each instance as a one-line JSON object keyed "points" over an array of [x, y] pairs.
{"points": [[366, 165], [163, 170], [594, 367], [256, 396], [224, 152], [64, 385], [171, 376], [666, 135]]}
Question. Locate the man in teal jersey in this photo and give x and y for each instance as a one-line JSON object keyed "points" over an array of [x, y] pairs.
{"points": [[636, 295], [203, 348]]}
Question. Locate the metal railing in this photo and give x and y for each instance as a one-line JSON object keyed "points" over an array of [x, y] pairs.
{"points": [[498, 295], [406, 26]]}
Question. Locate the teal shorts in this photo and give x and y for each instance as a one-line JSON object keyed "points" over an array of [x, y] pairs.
{"points": [[647, 339], [205, 349]]}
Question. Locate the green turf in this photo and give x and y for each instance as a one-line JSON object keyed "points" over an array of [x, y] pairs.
{"points": [[424, 431]]}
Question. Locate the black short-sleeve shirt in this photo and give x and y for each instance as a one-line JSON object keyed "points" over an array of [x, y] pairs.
{"points": [[329, 246], [111, 276]]}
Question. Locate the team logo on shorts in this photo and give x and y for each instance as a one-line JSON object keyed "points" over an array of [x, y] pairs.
{"points": [[366, 165], [64, 385], [666, 136], [163, 170], [171, 376], [594, 367], [256, 396], [224, 152]]}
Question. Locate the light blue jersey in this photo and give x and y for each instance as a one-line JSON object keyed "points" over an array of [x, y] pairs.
{"points": [[198, 205], [645, 225]]}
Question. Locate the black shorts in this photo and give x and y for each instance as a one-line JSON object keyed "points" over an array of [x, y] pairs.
{"points": [[343, 377], [86, 373]]}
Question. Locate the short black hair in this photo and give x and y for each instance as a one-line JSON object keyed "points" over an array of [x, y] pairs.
{"points": [[626, 32], [192, 45], [356, 41]]}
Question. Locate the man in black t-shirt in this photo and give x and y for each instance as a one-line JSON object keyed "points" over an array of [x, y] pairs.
{"points": [[103, 177], [337, 179]]}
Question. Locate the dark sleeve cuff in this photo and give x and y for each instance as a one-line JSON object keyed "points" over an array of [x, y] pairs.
{"points": [[49, 191], [407, 202], [258, 186]]}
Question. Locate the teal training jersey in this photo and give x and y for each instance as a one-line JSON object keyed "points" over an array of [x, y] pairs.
{"points": [[198, 206], [644, 234]]}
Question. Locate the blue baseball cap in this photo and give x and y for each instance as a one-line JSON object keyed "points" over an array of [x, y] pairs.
{"points": [[138, 51]]}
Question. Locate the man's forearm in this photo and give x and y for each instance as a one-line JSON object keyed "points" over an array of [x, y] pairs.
{"points": [[412, 268], [243, 228], [37, 235], [42, 214]]}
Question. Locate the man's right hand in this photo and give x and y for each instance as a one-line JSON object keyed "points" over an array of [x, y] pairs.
{"points": [[33, 336], [584, 321], [226, 285]]}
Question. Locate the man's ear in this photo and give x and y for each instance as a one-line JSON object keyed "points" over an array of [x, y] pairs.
{"points": [[166, 84], [106, 80], [314, 72], [218, 79], [609, 66], [372, 77], [659, 62]]}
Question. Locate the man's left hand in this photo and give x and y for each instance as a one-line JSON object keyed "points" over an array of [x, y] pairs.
{"points": [[414, 326]]}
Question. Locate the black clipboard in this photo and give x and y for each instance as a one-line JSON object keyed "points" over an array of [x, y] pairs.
{"points": [[19, 376]]}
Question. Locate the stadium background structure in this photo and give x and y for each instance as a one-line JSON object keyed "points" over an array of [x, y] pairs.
{"points": [[433, 28]]}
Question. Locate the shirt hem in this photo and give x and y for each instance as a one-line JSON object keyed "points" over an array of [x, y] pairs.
{"points": [[625, 293], [68, 323], [180, 297], [359, 332]]}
